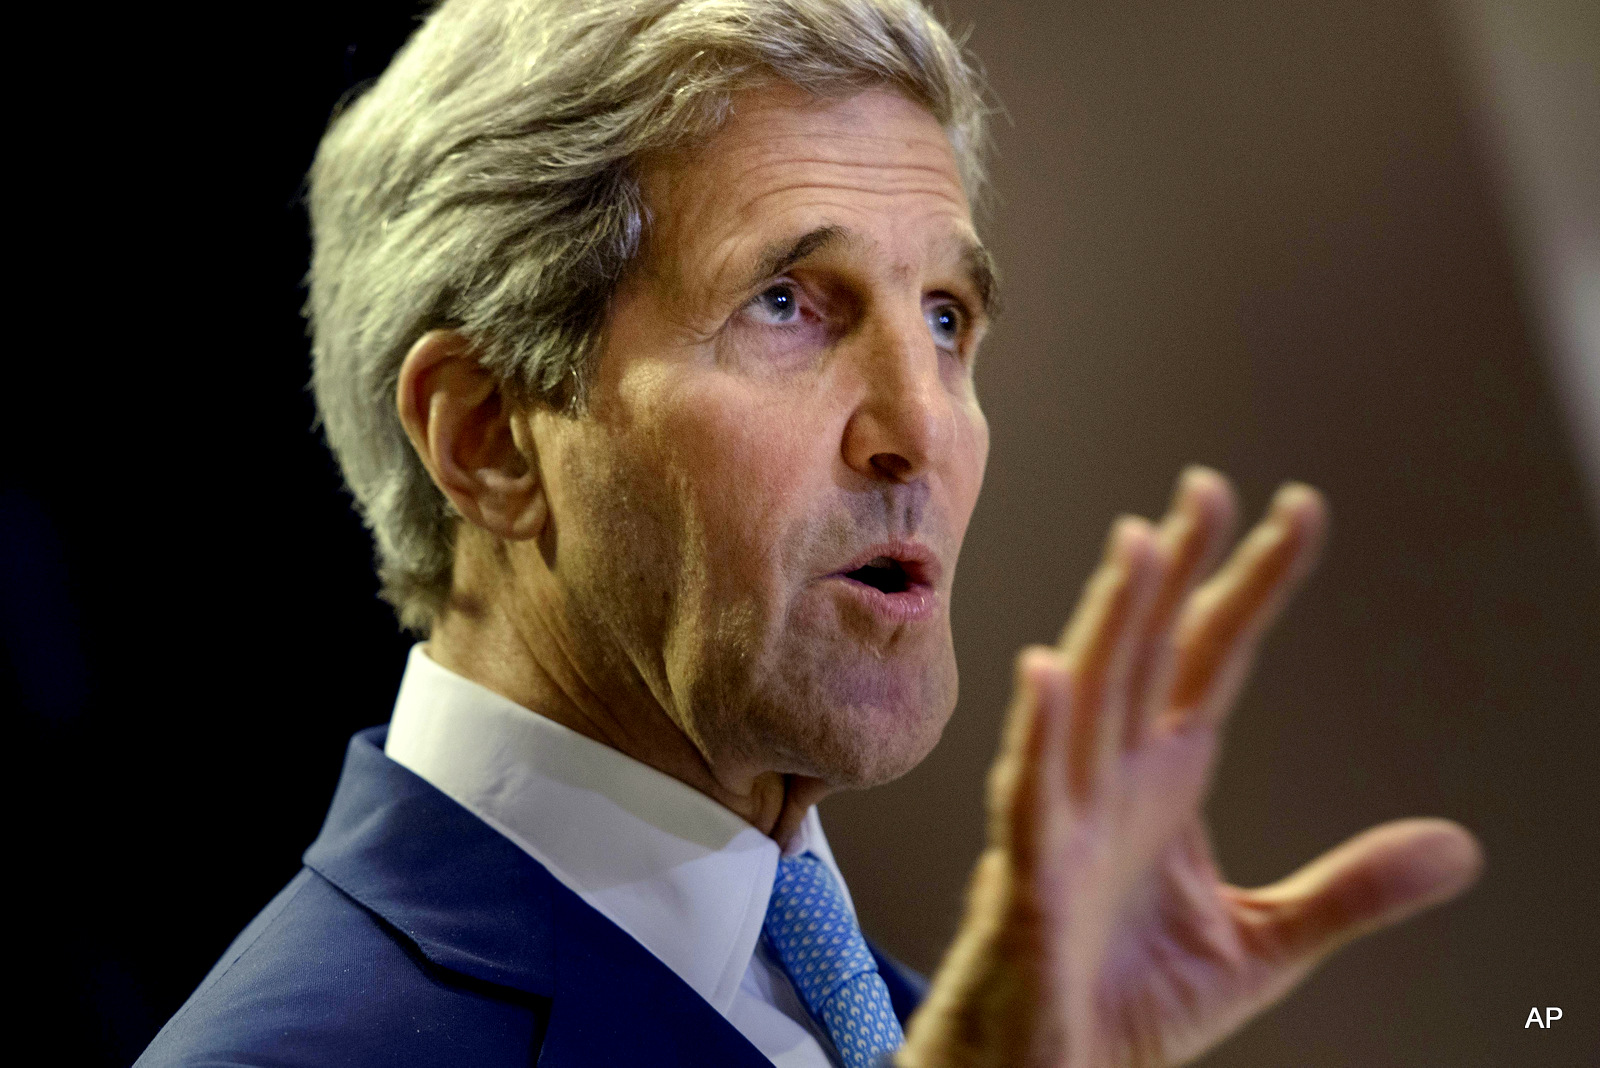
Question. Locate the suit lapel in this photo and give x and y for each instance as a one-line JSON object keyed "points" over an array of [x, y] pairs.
{"points": [[615, 1003], [906, 987], [472, 902]]}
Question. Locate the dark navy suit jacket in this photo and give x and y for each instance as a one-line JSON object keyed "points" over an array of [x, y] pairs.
{"points": [[418, 935]]}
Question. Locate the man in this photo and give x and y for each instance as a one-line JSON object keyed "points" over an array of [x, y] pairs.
{"points": [[644, 334]]}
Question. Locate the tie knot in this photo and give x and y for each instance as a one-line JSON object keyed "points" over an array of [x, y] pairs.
{"points": [[811, 927], [816, 938]]}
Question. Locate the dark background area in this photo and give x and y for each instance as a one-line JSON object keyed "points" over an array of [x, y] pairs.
{"points": [[1257, 235]]}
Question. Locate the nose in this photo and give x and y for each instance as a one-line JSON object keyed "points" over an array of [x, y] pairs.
{"points": [[905, 422]]}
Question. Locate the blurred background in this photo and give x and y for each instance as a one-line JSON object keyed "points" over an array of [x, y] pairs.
{"points": [[1353, 242]]}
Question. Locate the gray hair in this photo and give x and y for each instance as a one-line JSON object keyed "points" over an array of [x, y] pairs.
{"points": [[488, 182]]}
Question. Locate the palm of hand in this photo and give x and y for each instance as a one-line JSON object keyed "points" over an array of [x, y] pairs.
{"points": [[1194, 958], [1099, 930]]}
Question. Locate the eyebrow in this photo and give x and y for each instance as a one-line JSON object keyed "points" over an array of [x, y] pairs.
{"points": [[779, 256], [985, 278]]}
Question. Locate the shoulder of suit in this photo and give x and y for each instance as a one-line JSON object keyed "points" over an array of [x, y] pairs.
{"points": [[316, 977]]}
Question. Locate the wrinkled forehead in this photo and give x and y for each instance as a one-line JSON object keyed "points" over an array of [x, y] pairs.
{"points": [[876, 164]]}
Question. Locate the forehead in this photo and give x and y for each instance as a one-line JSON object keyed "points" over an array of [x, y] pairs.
{"points": [[876, 164]]}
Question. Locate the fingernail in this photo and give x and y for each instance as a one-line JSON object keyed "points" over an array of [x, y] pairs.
{"points": [[1184, 487], [1193, 474], [1114, 537], [1288, 495], [1191, 483], [1129, 529], [1041, 670]]}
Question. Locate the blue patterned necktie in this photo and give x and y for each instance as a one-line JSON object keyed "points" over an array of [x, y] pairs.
{"points": [[816, 938]]}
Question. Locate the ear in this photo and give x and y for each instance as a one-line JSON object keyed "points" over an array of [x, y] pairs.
{"points": [[461, 426]]}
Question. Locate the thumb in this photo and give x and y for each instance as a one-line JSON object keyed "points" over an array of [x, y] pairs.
{"points": [[1376, 879]]}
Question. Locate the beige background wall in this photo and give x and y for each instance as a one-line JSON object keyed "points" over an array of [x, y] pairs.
{"points": [[1265, 236]]}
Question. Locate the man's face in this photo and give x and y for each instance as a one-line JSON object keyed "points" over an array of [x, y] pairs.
{"points": [[784, 393]]}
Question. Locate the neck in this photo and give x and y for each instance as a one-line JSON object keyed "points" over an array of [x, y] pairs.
{"points": [[524, 658]]}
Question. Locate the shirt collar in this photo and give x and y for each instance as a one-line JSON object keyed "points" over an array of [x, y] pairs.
{"points": [[686, 877]]}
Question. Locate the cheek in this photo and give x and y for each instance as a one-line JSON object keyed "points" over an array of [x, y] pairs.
{"points": [[618, 522], [982, 434], [971, 460], [748, 469]]}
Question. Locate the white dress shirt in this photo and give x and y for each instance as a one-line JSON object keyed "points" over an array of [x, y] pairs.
{"points": [[686, 877]]}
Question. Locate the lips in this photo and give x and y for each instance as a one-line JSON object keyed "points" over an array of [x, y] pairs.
{"points": [[897, 580], [906, 563]]}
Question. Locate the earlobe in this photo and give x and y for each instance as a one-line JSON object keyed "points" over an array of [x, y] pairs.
{"points": [[460, 422]]}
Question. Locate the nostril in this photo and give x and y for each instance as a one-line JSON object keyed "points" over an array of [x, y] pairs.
{"points": [[892, 464]]}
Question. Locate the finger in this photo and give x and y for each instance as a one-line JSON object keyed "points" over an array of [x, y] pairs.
{"points": [[1027, 775], [1192, 538], [1099, 644], [1221, 625], [1374, 880]]}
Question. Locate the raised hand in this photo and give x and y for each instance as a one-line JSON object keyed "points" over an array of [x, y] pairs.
{"points": [[1098, 929]]}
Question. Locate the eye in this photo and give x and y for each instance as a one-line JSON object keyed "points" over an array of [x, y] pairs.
{"points": [[946, 321], [776, 305]]}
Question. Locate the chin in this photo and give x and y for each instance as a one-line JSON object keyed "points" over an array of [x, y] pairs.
{"points": [[855, 741], [832, 710], [867, 760]]}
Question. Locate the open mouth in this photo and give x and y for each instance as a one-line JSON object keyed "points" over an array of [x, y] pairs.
{"points": [[898, 582], [882, 573]]}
